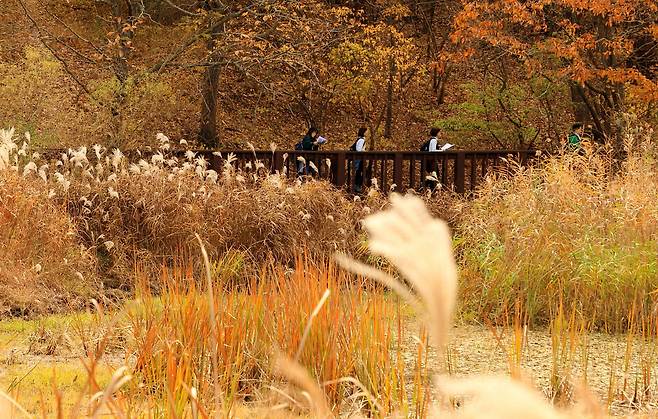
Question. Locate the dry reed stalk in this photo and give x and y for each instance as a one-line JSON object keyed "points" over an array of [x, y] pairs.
{"points": [[307, 329], [425, 259], [7, 411], [290, 369], [219, 399], [117, 381]]}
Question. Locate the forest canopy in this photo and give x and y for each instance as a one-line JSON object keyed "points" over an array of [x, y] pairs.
{"points": [[510, 74]]}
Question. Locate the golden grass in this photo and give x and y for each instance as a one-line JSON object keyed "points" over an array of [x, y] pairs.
{"points": [[42, 266], [346, 345], [574, 231], [93, 214], [117, 212], [200, 348]]}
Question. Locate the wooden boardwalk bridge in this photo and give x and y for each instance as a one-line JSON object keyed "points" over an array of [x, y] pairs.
{"points": [[399, 170], [459, 170]]}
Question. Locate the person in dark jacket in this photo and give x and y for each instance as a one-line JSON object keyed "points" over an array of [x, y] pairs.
{"points": [[310, 139], [308, 143]]}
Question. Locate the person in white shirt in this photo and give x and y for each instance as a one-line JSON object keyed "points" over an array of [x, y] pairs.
{"points": [[432, 167], [434, 140], [359, 146]]}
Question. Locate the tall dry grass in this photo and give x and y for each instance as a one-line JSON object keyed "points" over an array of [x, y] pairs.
{"points": [[576, 231], [348, 339], [42, 265], [149, 208], [199, 349], [432, 289], [120, 211], [194, 354]]}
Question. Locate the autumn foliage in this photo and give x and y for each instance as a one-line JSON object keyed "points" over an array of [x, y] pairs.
{"points": [[604, 50], [501, 74]]}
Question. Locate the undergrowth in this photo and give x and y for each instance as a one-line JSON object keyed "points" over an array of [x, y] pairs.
{"points": [[114, 212], [578, 231]]}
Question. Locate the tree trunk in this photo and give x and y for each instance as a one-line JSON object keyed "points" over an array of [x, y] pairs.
{"points": [[124, 29], [388, 127], [208, 133], [580, 111]]}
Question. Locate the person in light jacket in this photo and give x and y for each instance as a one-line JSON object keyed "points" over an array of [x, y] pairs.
{"points": [[359, 146], [432, 167]]}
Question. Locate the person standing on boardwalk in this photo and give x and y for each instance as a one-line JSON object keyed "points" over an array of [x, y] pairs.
{"points": [[575, 140], [359, 145], [431, 145], [308, 143]]}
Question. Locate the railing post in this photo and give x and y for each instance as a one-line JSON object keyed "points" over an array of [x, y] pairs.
{"points": [[216, 163], [397, 172], [340, 169], [474, 172], [444, 170], [460, 163], [412, 173], [277, 162]]}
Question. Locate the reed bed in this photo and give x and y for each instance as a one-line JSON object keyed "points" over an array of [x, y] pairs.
{"points": [[340, 330], [42, 265], [114, 212], [93, 213], [575, 231], [202, 347], [569, 243]]}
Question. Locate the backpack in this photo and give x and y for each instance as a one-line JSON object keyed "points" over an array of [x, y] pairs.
{"points": [[299, 145], [426, 145], [353, 146]]}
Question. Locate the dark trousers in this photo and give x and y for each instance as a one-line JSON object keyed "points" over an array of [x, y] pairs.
{"points": [[430, 167], [358, 175]]}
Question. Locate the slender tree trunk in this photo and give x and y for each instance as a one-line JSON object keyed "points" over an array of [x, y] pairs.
{"points": [[208, 133], [388, 127], [121, 69]]}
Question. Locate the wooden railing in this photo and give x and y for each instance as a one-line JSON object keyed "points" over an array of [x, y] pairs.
{"points": [[460, 171], [393, 170]]}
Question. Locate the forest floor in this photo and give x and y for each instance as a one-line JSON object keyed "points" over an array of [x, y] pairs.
{"points": [[474, 350], [38, 356]]}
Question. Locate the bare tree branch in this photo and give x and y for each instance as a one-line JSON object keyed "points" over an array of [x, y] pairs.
{"points": [[52, 50], [77, 35]]}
